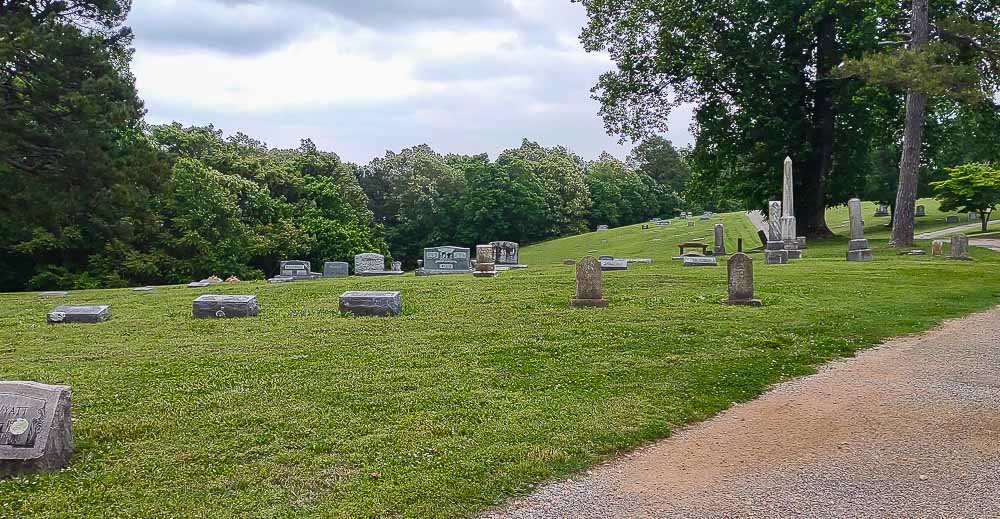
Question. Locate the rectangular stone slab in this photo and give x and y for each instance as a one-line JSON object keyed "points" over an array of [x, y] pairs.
{"points": [[371, 303], [614, 264], [700, 262], [212, 306], [336, 269], [36, 430], [68, 314]]}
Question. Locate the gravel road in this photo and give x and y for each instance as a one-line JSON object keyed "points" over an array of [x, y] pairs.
{"points": [[909, 429]]}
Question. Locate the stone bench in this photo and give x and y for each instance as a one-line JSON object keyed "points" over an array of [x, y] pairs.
{"points": [[694, 245]]}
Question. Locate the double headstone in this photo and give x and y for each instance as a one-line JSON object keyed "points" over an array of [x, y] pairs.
{"points": [[960, 247], [720, 241], [774, 250], [36, 428], [505, 253], [740, 268], [87, 314], [372, 264], [296, 269], [445, 260], [212, 306], [857, 249], [589, 292], [485, 262], [371, 303]]}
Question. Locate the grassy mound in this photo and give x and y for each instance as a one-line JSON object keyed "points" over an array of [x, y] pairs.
{"points": [[482, 388]]}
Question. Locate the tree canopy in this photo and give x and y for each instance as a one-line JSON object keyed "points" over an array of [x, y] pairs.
{"points": [[973, 188]]}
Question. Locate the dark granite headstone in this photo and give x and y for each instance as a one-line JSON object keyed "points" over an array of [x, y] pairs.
{"points": [[445, 260], [371, 303], [336, 269], [36, 428], [68, 314], [224, 306]]}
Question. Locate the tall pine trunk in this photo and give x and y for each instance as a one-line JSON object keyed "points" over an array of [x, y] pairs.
{"points": [[913, 134]]}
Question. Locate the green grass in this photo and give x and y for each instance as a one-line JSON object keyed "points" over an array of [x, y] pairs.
{"points": [[483, 388], [878, 228]]}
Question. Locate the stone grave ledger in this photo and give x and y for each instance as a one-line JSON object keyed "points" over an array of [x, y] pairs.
{"points": [[506, 253], [446, 260], [36, 429], [336, 269], [740, 276], [589, 292], [485, 262], [378, 304], [698, 261], [224, 306], [68, 314]]}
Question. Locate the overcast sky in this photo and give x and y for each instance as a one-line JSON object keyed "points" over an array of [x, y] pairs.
{"points": [[363, 76]]}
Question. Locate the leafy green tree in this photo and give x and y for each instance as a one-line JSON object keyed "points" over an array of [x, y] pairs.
{"points": [[620, 195], [657, 158], [973, 188], [76, 168]]}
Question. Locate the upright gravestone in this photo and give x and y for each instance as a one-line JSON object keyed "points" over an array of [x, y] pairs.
{"points": [[973, 217], [445, 260], [952, 219], [937, 248], [960, 247], [720, 243], [296, 269], [589, 292], [505, 253], [921, 211], [336, 269], [774, 250], [371, 303], [485, 262], [857, 249], [690, 223], [881, 211], [212, 306], [372, 264], [740, 268], [602, 227], [397, 266], [36, 428], [87, 314]]}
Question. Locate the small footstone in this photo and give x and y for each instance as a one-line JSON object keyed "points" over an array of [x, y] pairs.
{"points": [[371, 303], [224, 306], [92, 314], [36, 429]]}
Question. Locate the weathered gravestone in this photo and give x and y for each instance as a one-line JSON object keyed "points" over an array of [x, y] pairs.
{"points": [[720, 244], [937, 248], [589, 292], [36, 429], [445, 260], [960, 247], [224, 306], [881, 211], [774, 249], [740, 270], [336, 269], [372, 264], [505, 253], [485, 262], [973, 217], [397, 266], [788, 221], [89, 314], [371, 303], [857, 249], [699, 261], [690, 223]]}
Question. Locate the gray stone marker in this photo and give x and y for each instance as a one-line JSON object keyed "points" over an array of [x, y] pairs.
{"points": [[602, 227], [379, 304], [589, 292], [281, 279], [960, 247], [857, 249], [36, 428], [774, 249], [569, 262], [740, 270], [788, 221], [54, 294], [296, 269], [486, 266], [614, 264], [445, 260], [397, 266], [371, 264], [336, 269], [921, 211], [699, 261], [952, 219], [144, 290], [881, 211], [663, 223], [505, 253], [937, 248], [199, 284], [89, 314], [720, 243], [973, 217], [224, 306]]}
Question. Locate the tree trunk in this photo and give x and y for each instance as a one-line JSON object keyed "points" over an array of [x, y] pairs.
{"points": [[812, 222], [985, 218], [913, 134]]}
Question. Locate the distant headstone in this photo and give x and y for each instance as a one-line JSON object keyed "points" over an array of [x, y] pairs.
{"points": [[960, 247], [801, 240], [663, 223], [369, 262], [36, 428], [445, 260], [614, 264], [739, 244], [921, 211], [589, 292], [54, 294], [645, 227], [881, 211], [700, 261], [144, 290], [763, 238], [569, 262], [720, 244], [224, 306], [485, 262], [705, 217], [640, 261], [602, 227], [505, 253], [952, 219], [297, 269], [198, 284], [371, 303], [690, 223], [336, 269], [740, 269], [973, 217], [397, 266], [857, 249], [605, 258], [279, 279], [67, 314], [937, 248]]}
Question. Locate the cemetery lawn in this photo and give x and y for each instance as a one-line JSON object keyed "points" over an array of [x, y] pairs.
{"points": [[481, 389]]}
